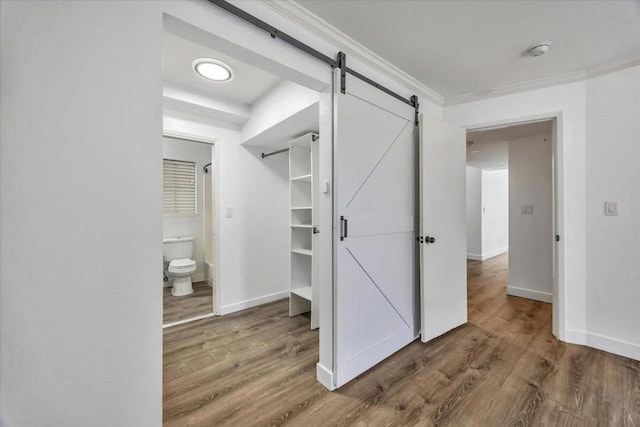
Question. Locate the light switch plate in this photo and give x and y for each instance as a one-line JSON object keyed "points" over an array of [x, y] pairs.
{"points": [[611, 208], [228, 212], [526, 209]]}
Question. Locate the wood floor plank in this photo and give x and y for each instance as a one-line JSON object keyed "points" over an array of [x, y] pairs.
{"points": [[180, 308], [504, 367]]}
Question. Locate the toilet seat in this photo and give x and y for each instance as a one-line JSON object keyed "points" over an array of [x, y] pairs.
{"points": [[181, 265]]}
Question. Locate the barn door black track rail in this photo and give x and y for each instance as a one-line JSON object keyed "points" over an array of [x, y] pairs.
{"points": [[340, 62]]}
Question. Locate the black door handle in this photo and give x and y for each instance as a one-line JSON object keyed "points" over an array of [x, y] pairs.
{"points": [[426, 239], [344, 231]]}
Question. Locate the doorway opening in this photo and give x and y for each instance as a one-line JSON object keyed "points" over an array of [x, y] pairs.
{"points": [[510, 218], [188, 285]]}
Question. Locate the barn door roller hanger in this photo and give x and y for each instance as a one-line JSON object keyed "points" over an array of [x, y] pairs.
{"points": [[340, 61]]}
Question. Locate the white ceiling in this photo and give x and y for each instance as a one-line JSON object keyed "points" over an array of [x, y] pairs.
{"points": [[490, 148], [248, 84], [472, 47]]}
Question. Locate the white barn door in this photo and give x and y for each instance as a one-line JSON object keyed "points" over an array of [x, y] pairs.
{"points": [[376, 292], [443, 248]]}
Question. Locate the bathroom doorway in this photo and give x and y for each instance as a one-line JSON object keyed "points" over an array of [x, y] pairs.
{"points": [[188, 275]]}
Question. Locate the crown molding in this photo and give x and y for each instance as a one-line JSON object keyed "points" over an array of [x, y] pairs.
{"points": [[515, 88], [613, 66], [297, 13], [559, 79]]}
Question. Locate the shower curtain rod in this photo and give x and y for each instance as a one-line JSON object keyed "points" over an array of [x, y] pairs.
{"points": [[274, 152]]}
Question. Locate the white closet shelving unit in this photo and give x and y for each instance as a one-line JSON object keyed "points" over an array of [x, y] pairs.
{"points": [[303, 196]]}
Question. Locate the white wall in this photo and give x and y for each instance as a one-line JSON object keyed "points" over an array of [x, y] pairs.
{"points": [[487, 213], [253, 245], [495, 212], [613, 252], [193, 225], [474, 213], [81, 224], [531, 235]]}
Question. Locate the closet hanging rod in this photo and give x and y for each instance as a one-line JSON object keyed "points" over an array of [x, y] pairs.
{"points": [[274, 152]]}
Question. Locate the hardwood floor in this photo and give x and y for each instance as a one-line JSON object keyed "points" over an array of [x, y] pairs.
{"points": [[180, 308], [502, 368]]}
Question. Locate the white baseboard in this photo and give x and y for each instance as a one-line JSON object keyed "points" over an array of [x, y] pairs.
{"points": [[253, 302], [574, 336], [191, 319], [604, 343], [325, 377], [530, 294], [486, 256], [494, 253]]}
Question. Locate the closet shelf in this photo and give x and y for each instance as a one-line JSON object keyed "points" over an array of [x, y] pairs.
{"points": [[303, 199], [302, 178], [302, 251], [304, 292]]}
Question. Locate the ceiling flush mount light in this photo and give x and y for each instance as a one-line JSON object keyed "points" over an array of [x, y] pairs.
{"points": [[213, 69], [539, 49]]}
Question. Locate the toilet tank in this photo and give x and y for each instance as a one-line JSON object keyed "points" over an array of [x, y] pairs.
{"points": [[177, 247]]}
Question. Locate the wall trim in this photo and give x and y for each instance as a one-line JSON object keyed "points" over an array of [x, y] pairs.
{"points": [[319, 27], [253, 302], [530, 294], [191, 319], [604, 343], [560, 79], [495, 253], [484, 257], [518, 87], [325, 377]]}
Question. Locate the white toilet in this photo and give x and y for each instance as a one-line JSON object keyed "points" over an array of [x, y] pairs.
{"points": [[178, 252]]}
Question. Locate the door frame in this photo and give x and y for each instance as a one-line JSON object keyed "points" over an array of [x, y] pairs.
{"points": [[188, 137], [557, 202]]}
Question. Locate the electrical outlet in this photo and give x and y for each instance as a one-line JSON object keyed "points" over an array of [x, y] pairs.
{"points": [[228, 212]]}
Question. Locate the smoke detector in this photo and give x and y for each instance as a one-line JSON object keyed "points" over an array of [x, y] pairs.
{"points": [[539, 49]]}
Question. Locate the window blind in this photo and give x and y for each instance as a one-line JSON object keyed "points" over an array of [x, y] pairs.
{"points": [[179, 187]]}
